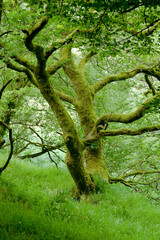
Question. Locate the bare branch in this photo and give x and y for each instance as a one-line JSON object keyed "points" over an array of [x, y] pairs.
{"points": [[133, 182], [37, 135], [55, 46], [132, 8], [5, 33], [11, 146], [140, 173], [4, 87], [22, 149], [150, 84], [27, 124], [44, 148]]}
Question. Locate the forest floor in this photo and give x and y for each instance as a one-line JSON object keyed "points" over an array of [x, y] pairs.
{"points": [[36, 203]]}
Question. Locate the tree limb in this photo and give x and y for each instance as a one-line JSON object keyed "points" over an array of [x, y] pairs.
{"points": [[32, 32], [134, 183], [142, 172], [66, 98], [118, 132], [42, 145], [4, 87], [84, 60], [150, 84], [144, 32], [54, 67], [47, 149], [5, 33], [132, 8], [23, 61], [11, 146], [130, 131], [130, 117], [18, 58], [154, 71], [19, 68], [56, 45]]}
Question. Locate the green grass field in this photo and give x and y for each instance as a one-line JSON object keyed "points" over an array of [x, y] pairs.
{"points": [[36, 203]]}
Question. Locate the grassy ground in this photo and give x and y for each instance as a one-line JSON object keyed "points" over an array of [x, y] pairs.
{"points": [[35, 203]]}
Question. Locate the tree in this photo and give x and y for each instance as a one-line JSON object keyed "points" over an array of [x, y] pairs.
{"points": [[84, 157]]}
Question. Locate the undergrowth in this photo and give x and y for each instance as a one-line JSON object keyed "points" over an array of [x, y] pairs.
{"points": [[36, 203]]}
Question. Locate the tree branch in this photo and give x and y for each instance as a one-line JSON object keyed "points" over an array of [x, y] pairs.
{"points": [[105, 133], [32, 32], [56, 45], [132, 8], [130, 117], [134, 183], [19, 68], [11, 146], [5, 33], [154, 71], [4, 87], [23, 61], [130, 131], [151, 86], [53, 69], [42, 145], [66, 98], [46, 150], [18, 58], [142, 172], [144, 32], [84, 60]]}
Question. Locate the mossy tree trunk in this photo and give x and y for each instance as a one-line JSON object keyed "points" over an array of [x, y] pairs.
{"points": [[93, 156]]}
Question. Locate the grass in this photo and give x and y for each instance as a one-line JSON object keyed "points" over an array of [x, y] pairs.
{"points": [[35, 203]]}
